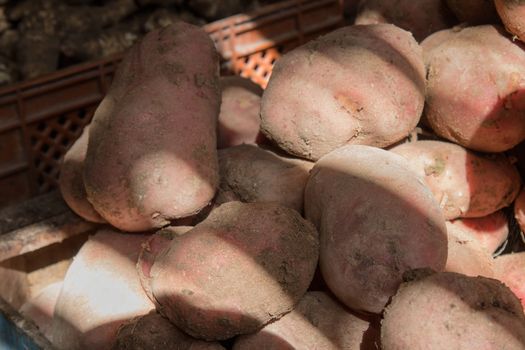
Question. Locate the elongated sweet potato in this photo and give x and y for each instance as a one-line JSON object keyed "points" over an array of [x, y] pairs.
{"points": [[512, 13], [325, 94], [152, 146], [475, 93], [101, 291], [510, 269], [377, 219], [464, 183], [71, 182], [318, 322], [246, 265], [452, 311]]}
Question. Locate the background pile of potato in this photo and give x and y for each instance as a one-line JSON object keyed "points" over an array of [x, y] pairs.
{"points": [[305, 218]]}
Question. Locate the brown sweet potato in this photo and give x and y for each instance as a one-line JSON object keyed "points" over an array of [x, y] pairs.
{"points": [[101, 291], [239, 120], [376, 220], [452, 311], [491, 230], [512, 14], [254, 174], [246, 265], [152, 146], [510, 269], [421, 17], [154, 332], [325, 94], [318, 322], [464, 183], [475, 94], [40, 308], [474, 12], [71, 182]]}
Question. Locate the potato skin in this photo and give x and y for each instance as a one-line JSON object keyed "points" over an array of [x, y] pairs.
{"points": [[71, 182], [239, 120], [512, 14], [254, 174], [361, 194], [324, 94], [464, 183], [101, 291], [318, 322], [510, 269], [152, 146], [441, 311], [475, 96], [421, 18], [41, 307], [246, 265]]}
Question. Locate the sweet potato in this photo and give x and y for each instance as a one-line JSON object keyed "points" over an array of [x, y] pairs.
{"points": [[254, 174], [40, 308], [464, 183], [101, 291], [474, 12], [318, 322], [421, 18], [325, 94], [512, 14], [510, 269], [452, 311], [466, 255], [246, 265], [71, 182], [491, 230], [239, 120], [376, 220], [519, 209], [154, 332], [475, 94], [152, 146]]}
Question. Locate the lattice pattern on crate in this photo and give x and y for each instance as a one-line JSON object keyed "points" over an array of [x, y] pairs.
{"points": [[50, 139], [258, 66]]}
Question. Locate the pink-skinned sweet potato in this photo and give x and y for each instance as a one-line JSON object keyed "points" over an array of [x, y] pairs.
{"points": [[466, 255], [512, 14], [376, 219], [154, 332], [325, 94], [452, 311], [40, 308], [510, 269], [254, 174], [464, 183], [239, 120], [318, 322], [71, 182], [421, 18], [475, 93], [246, 265], [101, 291], [474, 12], [152, 146], [491, 230]]}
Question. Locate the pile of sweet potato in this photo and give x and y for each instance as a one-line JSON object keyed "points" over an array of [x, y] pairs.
{"points": [[357, 203]]}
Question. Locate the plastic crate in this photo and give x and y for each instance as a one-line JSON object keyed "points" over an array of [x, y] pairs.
{"points": [[41, 118]]}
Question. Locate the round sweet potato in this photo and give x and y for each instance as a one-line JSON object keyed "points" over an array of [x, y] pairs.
{"points": [[510, 269], [512, 14], [464, 183], [318, 322], [452, 311], [376, 220], [101, 291], [71, 183], [421, 17], [474, 12], [40, 308], [152, 146], [475, 93], [254, 174], [239, 120], [154, 332], [490, 231], [245, 265], [325, 94]]}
